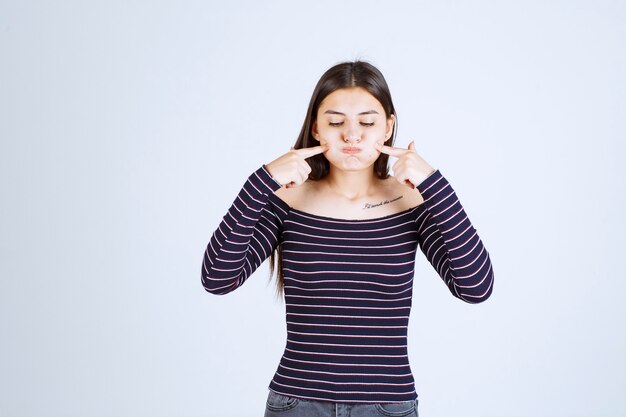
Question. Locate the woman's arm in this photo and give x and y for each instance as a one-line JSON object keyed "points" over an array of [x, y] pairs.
{"points": [[246, 236], [450, 242]]}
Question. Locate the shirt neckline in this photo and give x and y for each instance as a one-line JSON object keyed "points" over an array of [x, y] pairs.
{"points": [[337, 219]]}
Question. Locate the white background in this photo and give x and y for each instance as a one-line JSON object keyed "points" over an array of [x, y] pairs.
{"points": [[127, 129]]}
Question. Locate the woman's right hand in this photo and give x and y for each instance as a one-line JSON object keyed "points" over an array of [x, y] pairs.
{"points": [[291, 169]]}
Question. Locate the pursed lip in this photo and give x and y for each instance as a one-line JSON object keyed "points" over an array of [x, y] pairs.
{"points": [[350, 149]]}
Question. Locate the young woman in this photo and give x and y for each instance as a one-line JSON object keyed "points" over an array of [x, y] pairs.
{"points": [[344, 235]]}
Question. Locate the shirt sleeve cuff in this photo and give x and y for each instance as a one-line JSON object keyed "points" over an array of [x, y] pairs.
{"points": [[264, 180], [432, 185]]}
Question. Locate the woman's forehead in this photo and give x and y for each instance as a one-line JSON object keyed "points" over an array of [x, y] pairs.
{"points": [[354, 100]]}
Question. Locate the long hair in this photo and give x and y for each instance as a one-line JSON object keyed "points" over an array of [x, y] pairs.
{"points": [[344, 75]]}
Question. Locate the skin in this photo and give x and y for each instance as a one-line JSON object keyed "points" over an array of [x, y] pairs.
{"points": [[410, 168], [351, 117]]}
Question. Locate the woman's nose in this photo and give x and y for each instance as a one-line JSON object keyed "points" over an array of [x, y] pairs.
{"points": [[352, 134]]}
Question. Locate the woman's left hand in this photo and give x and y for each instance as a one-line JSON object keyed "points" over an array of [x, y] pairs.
{"points": [[410, 168]]}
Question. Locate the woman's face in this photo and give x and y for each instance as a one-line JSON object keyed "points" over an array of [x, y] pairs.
{"points": [[351, 121]]}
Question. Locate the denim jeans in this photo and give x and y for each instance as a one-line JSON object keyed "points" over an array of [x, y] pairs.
{"points": [[279, 405]]}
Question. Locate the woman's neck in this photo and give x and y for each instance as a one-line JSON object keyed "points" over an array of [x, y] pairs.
{"points": [[352, 185]]}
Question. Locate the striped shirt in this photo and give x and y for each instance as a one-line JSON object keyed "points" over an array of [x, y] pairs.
{"points": [[348, 284]]}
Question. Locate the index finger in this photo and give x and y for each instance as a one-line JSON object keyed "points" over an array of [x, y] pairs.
{"points": [[392, 150], [314, 150]]}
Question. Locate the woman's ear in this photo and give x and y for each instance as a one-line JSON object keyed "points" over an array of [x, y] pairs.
{"points": [[314, 132], [390, 122]]}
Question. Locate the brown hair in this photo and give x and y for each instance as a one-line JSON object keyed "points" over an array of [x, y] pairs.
{"points": [[344, 75]]}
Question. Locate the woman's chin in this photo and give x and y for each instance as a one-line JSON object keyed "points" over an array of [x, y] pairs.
{"points": [[352, 163]]}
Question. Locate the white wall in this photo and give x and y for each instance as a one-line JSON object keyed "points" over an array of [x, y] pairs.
{"points": [[127, 129]]}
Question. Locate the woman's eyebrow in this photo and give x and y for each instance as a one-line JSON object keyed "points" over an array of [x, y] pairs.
{"points": [[343, 114]]}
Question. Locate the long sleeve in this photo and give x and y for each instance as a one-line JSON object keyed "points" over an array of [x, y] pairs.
{"points": [[247, 235], [451, 244]]}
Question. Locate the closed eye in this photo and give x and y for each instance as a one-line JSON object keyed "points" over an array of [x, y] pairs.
{"points": [[340, 123]]}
